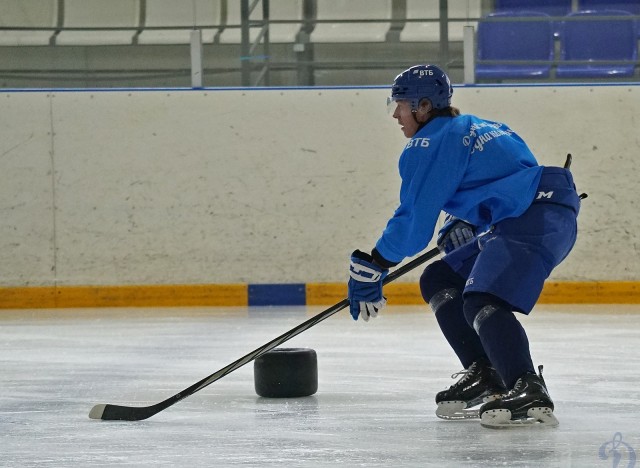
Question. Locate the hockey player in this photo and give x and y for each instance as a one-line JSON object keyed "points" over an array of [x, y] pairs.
{"points": [[510, 222]]}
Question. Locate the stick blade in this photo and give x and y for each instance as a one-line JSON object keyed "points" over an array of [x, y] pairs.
{"points": [[121, 413], [97, 411]]}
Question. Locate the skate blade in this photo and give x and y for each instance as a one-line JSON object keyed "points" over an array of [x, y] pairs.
{"points": [[459, 410], [501, 418], [455, 410]]}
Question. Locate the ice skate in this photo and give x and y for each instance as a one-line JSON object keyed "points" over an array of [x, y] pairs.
{"points": [[527, 404], [479, 383]]}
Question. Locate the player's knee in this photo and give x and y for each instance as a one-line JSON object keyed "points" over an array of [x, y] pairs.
{"points": [[479, 307], [439, 284]]}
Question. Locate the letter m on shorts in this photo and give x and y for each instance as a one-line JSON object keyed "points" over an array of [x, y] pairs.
{"points": [[544, 195]]}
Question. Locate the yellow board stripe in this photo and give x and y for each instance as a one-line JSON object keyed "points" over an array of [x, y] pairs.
{"points": [[123, 296], [562, 292], [565, 292]]}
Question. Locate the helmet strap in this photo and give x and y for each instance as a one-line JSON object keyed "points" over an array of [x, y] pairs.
{"points": [[414, 112]]}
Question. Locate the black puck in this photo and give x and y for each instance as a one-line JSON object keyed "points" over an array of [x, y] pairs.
{"points": [[286, 373]]}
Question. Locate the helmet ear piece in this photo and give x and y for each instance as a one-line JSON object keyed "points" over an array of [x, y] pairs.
{"points": [[421, 105], [426, 102]]}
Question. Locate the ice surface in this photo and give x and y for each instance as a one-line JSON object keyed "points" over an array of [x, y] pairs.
{"points": [[374, 405]]}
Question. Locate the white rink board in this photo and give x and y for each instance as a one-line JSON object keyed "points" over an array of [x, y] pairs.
{"points": [[269, 186], [26, 201]]}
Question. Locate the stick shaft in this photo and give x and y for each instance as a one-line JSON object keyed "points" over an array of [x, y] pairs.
{"points": [[127, 413]]}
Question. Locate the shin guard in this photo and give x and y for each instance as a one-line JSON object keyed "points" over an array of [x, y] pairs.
{"points": [[502, 336], [442, 288]]}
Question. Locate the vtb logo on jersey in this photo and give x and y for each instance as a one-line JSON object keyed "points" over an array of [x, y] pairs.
{"points": [[546, 195]]}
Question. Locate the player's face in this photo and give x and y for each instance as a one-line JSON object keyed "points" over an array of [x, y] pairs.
{"points": [[405, 118]]}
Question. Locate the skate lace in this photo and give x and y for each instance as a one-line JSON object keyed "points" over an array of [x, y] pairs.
{"points": [[515, 390], [458, 374], [464, 373], [518, 387]]}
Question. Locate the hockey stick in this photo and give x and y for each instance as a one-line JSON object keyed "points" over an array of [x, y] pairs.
{"points": [[131, 413], [567, 165]]}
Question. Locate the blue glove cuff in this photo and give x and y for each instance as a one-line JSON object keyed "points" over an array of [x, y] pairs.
{"points": [[363, 268]]}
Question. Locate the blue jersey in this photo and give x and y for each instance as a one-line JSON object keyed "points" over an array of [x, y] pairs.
{"points": [[474, 169]]}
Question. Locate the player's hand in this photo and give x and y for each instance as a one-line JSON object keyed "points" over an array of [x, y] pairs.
{"points": [[365, 286], [455, 233]]}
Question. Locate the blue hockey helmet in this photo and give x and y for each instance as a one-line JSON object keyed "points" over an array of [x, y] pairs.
{"points": [[420, 82]]}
